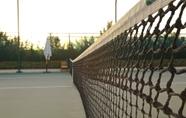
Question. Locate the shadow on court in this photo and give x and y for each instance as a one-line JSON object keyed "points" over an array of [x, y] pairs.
{"points": [[39, 95]]}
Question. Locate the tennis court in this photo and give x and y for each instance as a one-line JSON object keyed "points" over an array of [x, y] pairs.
{"points": [[178, 84], [39, 95]]}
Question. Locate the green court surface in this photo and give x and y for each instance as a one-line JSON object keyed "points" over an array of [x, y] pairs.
{"points": [[39, 95]]}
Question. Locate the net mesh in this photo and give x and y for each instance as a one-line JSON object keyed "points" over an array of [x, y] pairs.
{"points": [[133, 75]]}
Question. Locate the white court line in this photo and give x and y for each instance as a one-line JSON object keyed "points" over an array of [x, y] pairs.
{"points": [[175, 83], [46, 87], [33, 87]]}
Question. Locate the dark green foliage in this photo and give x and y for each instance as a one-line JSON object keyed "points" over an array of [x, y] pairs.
{"points": [[82, 44], [9, 49], [149, 2], [109, 25], [29, 64], [56, 64], [34, 58], [55, 42]]}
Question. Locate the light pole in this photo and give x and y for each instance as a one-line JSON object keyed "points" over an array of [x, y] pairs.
{"points": [[18, 37], [115, 11], [68, 40]]}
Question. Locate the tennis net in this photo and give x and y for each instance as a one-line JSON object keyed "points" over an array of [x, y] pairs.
{"points": [[130, 71]]}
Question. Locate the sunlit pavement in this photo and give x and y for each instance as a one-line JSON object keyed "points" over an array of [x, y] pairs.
{"points": [[35, 94]]}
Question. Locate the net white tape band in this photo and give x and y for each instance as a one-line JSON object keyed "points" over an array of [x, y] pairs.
{"points": [[139, 12]]}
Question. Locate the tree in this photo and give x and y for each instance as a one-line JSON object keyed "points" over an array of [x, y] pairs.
{"points": [[91, 40], [82, 44], [109, 25], [55, 42]]}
